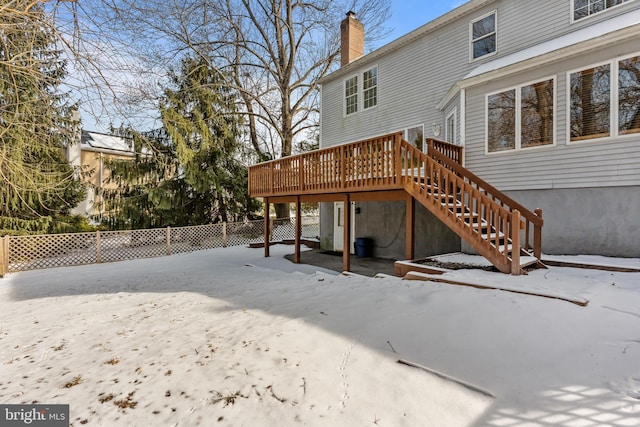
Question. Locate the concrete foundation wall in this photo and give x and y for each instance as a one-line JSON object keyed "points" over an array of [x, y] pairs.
{"points": [[326, 226], [589, 221], [384, 222]]}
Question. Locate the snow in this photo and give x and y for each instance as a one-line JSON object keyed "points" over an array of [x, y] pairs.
{"points": [[111, 142], [227, 337]]}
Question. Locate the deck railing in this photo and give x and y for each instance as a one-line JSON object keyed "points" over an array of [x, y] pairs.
{"points": [[387, 163], [366, 165]]}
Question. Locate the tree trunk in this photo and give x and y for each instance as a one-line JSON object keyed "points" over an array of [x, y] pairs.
{"points": [[282, 210]]}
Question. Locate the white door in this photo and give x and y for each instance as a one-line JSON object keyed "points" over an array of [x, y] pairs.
{"points": [[338, 226]]}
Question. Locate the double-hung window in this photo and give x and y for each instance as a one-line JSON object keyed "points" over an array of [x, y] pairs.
{"points": [[584, 8], [351, 95], [361, 96], [522, 117], [483, 33], [604, 100], [370, 88]]}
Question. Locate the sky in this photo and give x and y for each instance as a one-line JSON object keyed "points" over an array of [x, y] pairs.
{"points": [[407, 15]]}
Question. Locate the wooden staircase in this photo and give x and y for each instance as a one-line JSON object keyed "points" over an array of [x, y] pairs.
{"points": [[493, 224], [485, 218]]}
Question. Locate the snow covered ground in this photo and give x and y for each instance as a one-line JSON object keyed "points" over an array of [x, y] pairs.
{"points": [[226, 337]]}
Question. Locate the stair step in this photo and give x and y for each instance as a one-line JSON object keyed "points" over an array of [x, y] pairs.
{"points": [[526, 261], [501, 248], [492, 236]]}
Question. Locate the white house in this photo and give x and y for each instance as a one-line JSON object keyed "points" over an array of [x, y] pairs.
{"points": [[544, 98]]}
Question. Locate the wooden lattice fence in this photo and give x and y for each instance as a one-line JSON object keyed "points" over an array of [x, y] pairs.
{"points": [[19, 253]]}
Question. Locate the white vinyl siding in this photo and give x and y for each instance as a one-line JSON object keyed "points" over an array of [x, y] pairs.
{"points": [[411, 82], [603, 162]]}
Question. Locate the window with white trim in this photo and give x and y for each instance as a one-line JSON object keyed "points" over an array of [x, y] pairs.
{"points": [[450, 127], [483, 34], [522, 117], [590, 103], [370, 88], [584, 8], [351, 95], [629, 95], [415, 136], [604, 100]]}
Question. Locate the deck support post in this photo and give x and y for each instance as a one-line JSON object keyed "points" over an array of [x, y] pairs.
{"points": [[346, 247], [267, 223], [537, 237], [296, 256], [410, 228]]}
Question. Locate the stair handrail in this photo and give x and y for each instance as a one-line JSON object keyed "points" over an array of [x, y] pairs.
{"points": [[454, 152], [528, 217]]}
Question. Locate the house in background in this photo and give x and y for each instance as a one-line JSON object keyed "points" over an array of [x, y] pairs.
{"points": [[544, 98], [481, 116], [90, 155]]}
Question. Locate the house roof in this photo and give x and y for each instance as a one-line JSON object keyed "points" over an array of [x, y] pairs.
{"points": [[95, 141], [604, 33], [467, 8], [628, 20]]}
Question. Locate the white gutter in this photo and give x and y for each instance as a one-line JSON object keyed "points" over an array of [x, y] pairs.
{"points": [[602, 34], [465, 9]]}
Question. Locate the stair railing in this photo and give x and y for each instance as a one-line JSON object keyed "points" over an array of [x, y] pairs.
{"points": [[531, 221]]}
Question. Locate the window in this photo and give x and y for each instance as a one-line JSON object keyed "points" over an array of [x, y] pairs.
{"points": [[584, 8], [369, 91], [415, 137], [483, 36], [501, 121], [629, 95], [536, 114], [370, 88], [522, 117], [450, 129], [351, 95], [590, 103]]}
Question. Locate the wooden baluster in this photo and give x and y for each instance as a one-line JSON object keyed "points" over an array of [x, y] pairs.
{"points": [[515, 243]]}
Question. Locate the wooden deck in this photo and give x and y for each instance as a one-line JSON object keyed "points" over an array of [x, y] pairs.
{"points": [[389, 168]]}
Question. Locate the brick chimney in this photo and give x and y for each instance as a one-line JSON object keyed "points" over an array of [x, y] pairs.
{"points": [[352, 39]]}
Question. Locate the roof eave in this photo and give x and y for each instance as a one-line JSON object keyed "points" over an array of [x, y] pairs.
{"points": [[419, 32], [550, 57]]}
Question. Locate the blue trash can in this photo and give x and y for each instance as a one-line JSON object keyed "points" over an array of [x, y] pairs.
{"points": [[364, 247]]}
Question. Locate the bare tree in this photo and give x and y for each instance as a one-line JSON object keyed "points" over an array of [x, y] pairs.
{"points": [[274, 52]]}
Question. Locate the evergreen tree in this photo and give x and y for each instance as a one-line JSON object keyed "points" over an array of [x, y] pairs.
{"points": [[36, 182], [187, 174]]}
